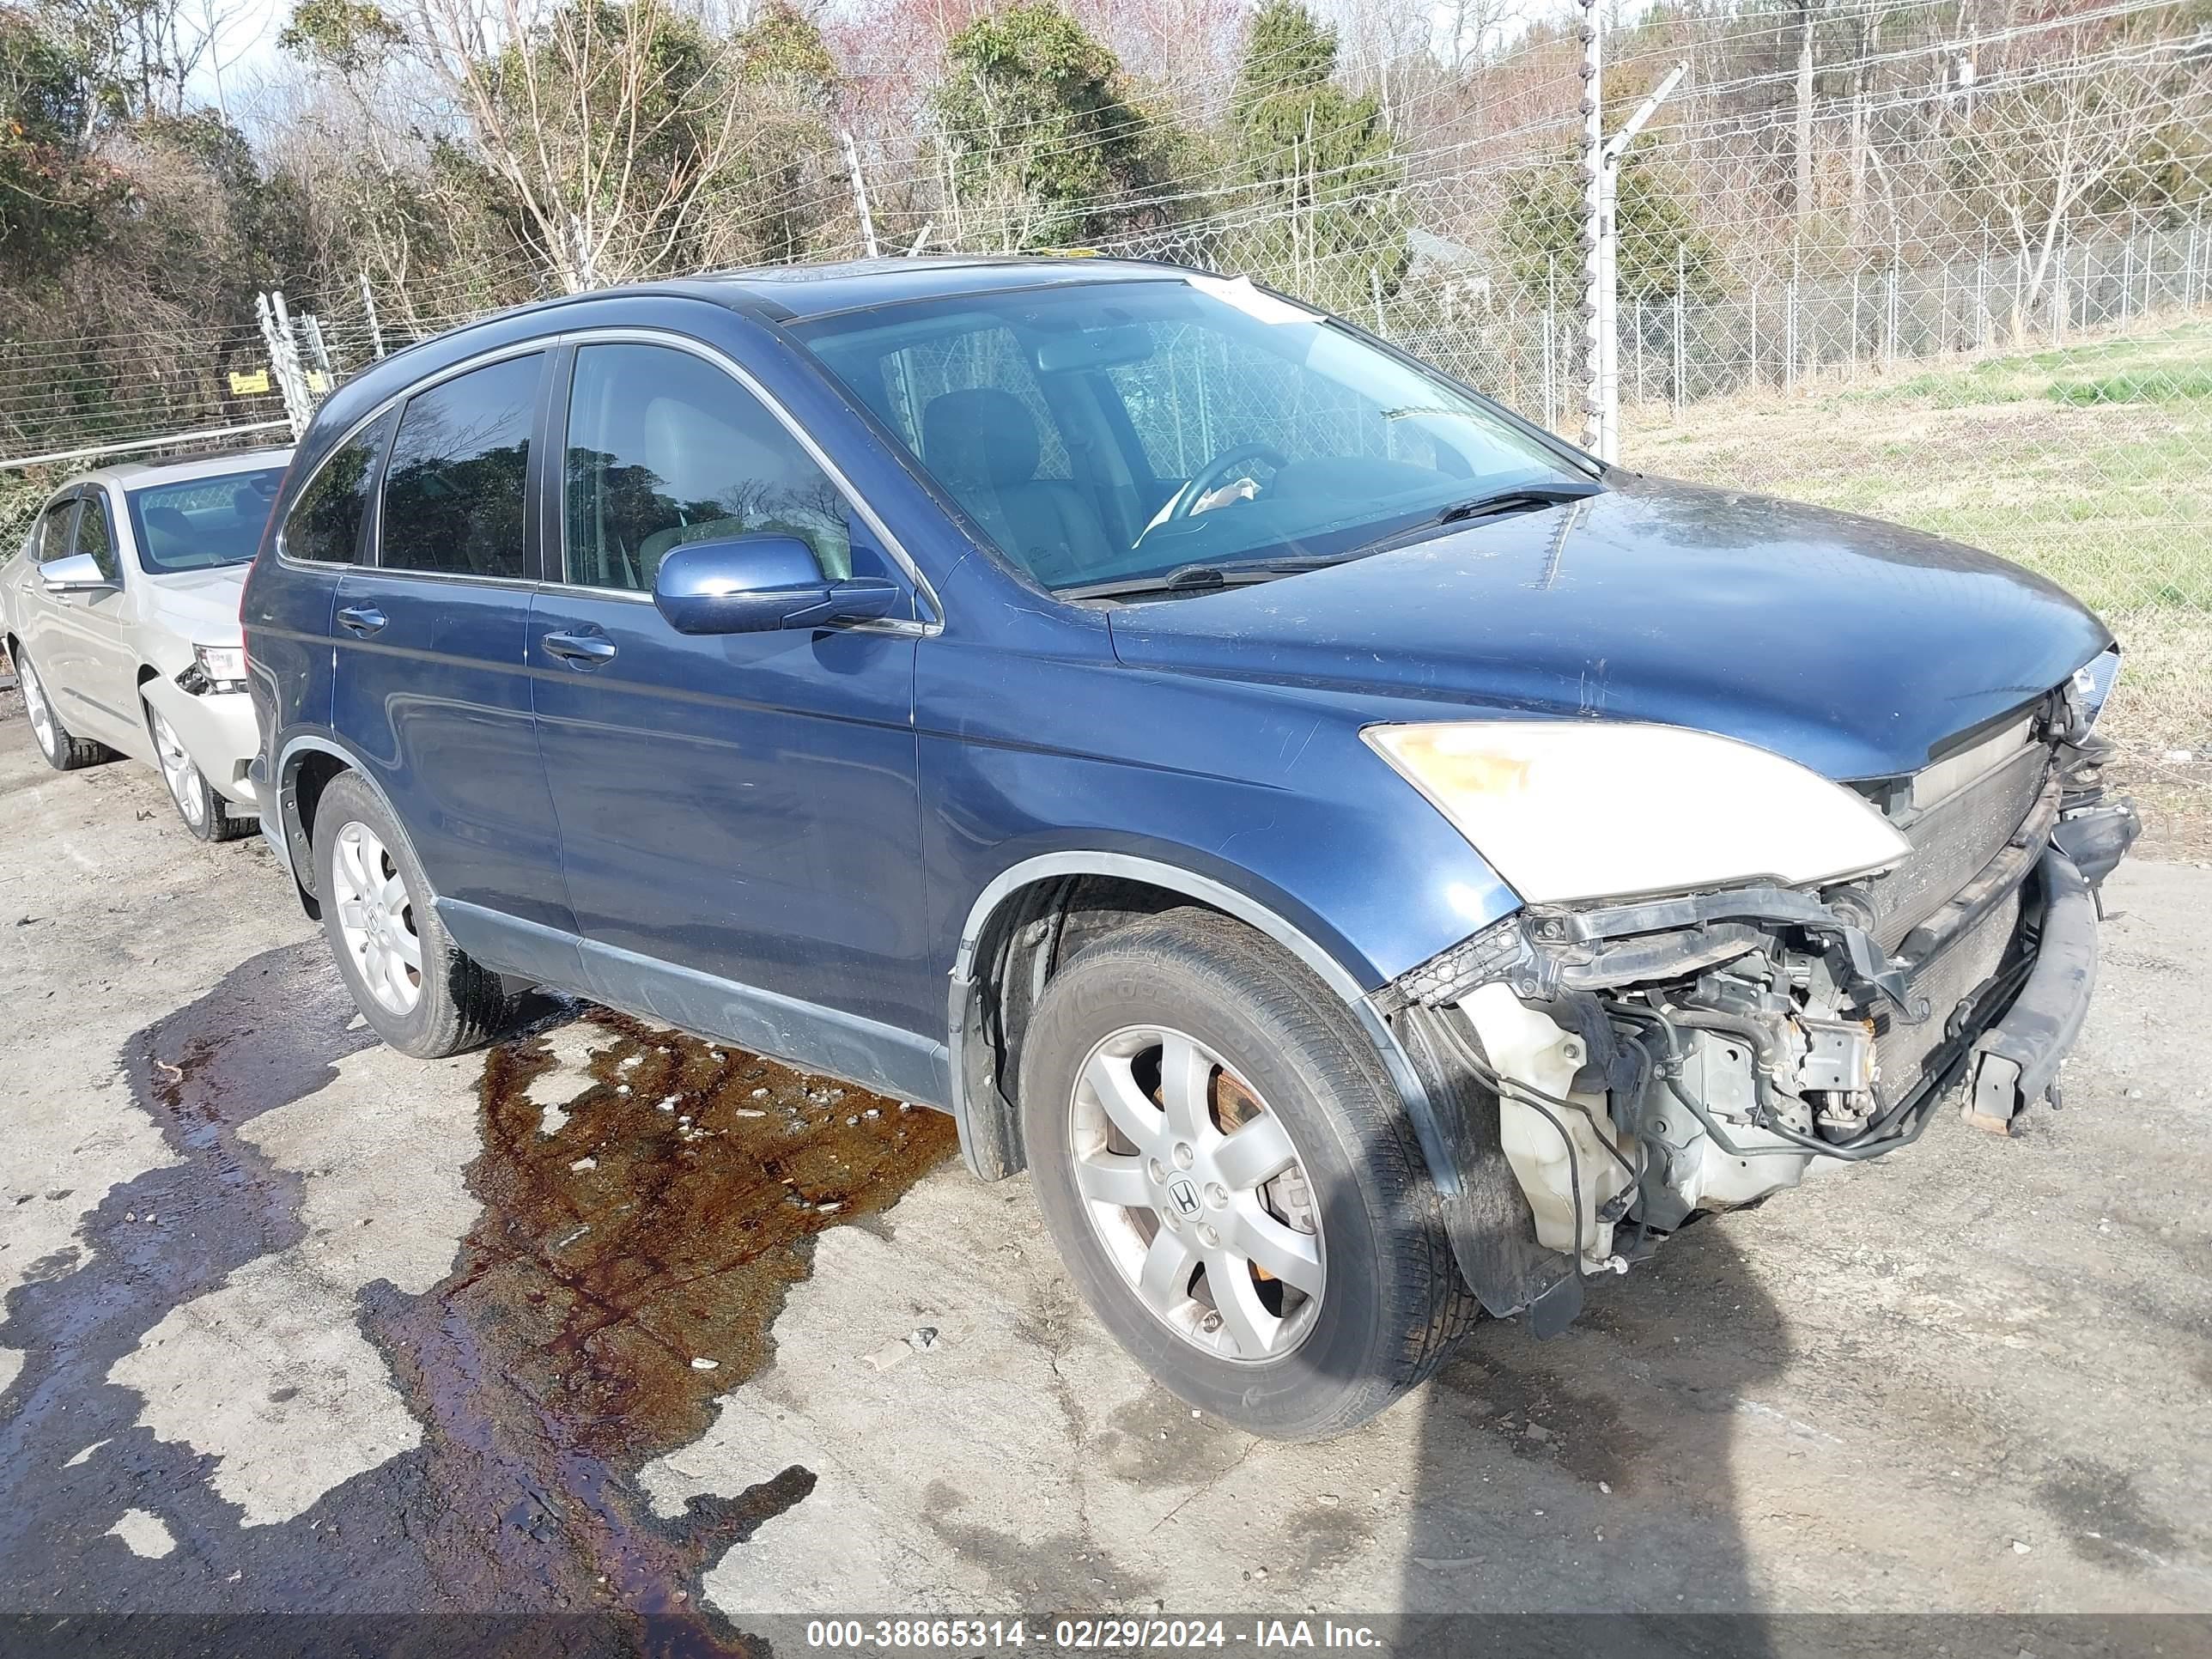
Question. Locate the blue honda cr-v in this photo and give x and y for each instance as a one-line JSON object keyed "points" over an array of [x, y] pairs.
{"points": [[1365, 858]]}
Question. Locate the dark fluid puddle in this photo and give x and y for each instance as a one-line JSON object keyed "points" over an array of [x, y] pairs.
{"points": [[548, 1368], [565, 1353]]}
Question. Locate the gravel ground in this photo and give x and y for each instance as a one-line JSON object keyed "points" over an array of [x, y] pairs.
{"points": [[293, 1323]]}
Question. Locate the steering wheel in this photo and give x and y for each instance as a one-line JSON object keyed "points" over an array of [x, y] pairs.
{"points": [[1216, 472]]}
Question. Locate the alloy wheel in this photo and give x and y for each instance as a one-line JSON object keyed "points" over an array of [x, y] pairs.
{"points": [[376, 918], [182, 775], [1196, 1191], [42, 716]]}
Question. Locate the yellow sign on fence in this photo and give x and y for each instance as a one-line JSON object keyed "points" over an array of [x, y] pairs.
{"points": [[243, 386]]}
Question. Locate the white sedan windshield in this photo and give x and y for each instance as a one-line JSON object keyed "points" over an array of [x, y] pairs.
{"points": [[195, 524]]}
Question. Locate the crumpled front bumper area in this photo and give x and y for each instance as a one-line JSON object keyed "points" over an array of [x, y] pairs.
{"points": [[2016, 1059], [218, 731], [1604, 1073]]}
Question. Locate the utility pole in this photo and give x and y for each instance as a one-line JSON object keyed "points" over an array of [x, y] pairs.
{"points": [[860, 196], [1602, 241]]}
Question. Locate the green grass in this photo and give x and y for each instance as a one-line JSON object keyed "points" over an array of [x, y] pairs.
{"points": [[2134, 387], [2091, 464]]}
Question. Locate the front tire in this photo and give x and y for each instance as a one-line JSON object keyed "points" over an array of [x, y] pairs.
{"points": [[418, 990], [64, 752], [206, 813], [1232, 1182]]}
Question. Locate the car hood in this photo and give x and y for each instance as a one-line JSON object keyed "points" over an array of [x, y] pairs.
{"points": [[1850, 645], [200, 606]]}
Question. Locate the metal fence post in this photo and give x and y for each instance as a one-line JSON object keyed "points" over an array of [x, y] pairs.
{"points": [[1753, 381], [1681, 345], [1550, 344], [1639, 353], [2058, 296], [369, 310], [1889, 320], [1854, 330], [1790, 335]]}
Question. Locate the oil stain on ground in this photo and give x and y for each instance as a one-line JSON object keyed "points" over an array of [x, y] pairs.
{"points": [[659, 1225], [634, 1248]]}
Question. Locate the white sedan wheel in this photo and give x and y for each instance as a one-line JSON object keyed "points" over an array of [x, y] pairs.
{"points": [[42, 717], [186, 787]]}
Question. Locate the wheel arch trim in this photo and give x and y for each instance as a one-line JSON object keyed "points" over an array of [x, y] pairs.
{"points": [[1220, 895], [291, 830]]}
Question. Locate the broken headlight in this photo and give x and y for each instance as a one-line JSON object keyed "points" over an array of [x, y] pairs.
{"points": [[221, 666], [1582, 809], [2092, 682]]}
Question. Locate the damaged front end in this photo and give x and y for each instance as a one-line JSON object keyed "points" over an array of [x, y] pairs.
{"points": [[1610, 1070]]}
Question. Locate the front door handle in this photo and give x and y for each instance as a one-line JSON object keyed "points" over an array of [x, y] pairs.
{"points": [[584, 649], [362, 619]]}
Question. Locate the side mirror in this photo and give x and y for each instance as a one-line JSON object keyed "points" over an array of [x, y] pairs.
{"points": [[756, 583], [79, 573]]}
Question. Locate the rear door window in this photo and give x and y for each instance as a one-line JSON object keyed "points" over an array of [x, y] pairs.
{"points": [[324, 526], [454, 485]]}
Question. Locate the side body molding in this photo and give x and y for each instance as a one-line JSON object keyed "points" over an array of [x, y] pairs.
{"points": [[983, 1158]]}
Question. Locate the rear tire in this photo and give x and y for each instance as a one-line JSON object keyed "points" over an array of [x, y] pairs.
{"points": [[63, 753], [1191, 993], [418, 990], [206, 812]]}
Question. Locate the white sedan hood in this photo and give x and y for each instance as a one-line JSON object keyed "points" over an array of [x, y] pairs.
{"points": [[200, 607]]}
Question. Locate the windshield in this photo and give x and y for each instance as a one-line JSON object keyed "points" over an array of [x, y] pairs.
{"points": [[197, 524], [1111, 431]]}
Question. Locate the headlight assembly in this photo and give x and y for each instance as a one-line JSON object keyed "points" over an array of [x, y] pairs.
{"points": [[1583, 810], [222, 665], [2093, 681]]}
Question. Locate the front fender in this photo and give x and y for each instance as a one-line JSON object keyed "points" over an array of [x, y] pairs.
{"points": [[1048, 745], [217, 731]]}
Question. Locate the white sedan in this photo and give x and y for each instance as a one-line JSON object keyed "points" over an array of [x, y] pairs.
{"points": [[120, 614]]}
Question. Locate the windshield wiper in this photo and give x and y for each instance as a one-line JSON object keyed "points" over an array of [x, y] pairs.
{"points": [[1519, 498], [1194, 579], [1522, 498]]}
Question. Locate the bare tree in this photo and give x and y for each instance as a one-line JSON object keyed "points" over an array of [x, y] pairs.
{"points": [[2037, 154], [607, 123], [1802, 202]]}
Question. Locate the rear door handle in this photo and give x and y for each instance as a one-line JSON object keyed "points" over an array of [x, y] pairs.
{"points": [[362, 619], [585, 648]]}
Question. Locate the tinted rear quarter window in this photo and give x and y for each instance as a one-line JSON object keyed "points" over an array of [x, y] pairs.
{"points": [[453, 487], [323, 525]]}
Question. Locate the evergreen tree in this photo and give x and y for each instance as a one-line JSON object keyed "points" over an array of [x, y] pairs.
{"points": [[1321, 208], [1043, 146]]}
